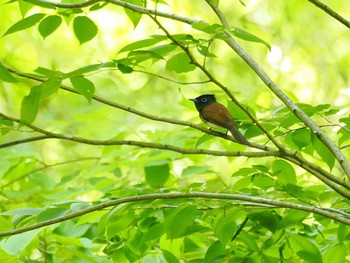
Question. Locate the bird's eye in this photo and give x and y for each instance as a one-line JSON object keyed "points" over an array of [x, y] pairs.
{"points": [[204, 99]]}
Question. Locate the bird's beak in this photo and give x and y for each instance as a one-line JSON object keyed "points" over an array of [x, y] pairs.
{"points": [[194, 100]]}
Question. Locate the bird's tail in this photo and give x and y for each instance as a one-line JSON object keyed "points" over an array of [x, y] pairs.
{"points": [[238, 136]]}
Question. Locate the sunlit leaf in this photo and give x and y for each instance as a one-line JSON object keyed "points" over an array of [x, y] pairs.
{"points": [[215, 253], [157, 175], [284, 172], [30, 105], [180, 63], [305, 249], [143, 43], [25, 23], [84, 29], [5, 75], [49, 24], [240, 33], [134, 16], [323, 152], [84, 86], [301, 137]]}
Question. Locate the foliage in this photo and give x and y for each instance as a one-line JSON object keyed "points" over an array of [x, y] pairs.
{"points": [[102, 156]]}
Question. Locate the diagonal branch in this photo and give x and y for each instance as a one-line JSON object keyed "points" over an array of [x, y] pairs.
{"points": [[330, 12], [282, 96]]}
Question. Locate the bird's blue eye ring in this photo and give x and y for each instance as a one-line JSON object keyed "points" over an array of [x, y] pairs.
{"points": [[204, 99]]}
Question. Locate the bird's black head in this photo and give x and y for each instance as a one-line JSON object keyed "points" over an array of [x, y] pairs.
{"points": [[204, 100]]}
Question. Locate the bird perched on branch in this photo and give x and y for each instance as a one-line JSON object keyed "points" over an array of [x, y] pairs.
{"points": [[217, 115]]}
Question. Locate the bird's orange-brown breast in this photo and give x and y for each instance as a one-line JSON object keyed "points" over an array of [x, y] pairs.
{"points": [[217, 114]]}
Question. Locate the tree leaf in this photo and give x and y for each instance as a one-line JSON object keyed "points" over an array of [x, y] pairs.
{"points": [[183, 218], [305, 249], [84, 86], [49, 24], [240, 33], [15, 245], [143, 43], [301, 138], [84, 29], [284, 172], [51, 213], [323, 152], [157, 175], [90, 68], [5, 75], [50, 87], [215, 253], [134, 16], [25, 23], [30, 105], [180, 63]]}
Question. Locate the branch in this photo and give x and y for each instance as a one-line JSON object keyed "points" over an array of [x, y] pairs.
{"points": [[330, 12], [135, 8], [143, 114], [214, 80], [140, 144], [139, 198], [282, 96], [317, 171]]}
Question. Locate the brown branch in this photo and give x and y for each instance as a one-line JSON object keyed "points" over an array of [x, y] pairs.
{"points": [[139, 198]]}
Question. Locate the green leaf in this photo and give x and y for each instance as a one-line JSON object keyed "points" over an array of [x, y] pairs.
{"points": [[301, 138], [84, 29], [15, 245], [305, 249], [84, 86], [183, 218], [267, 219], [41, 3], [336, 254], [241, 183], [5, 75], [143, 55], [284, 172], [51, 213], [23, 211], [124, 68], [262, 181], [204, 138], [30, 105], [323, 152], [134, 16], [215, 253], [157, 175], [25, 23], [49, 24], [50, 87], [225, 228], [90, 68], [240, 33], [248, 240], [169, 257], [143, 43], [180, 63]]}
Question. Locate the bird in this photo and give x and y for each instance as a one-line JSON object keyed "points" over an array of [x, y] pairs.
{"points": [[217, 115]]}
